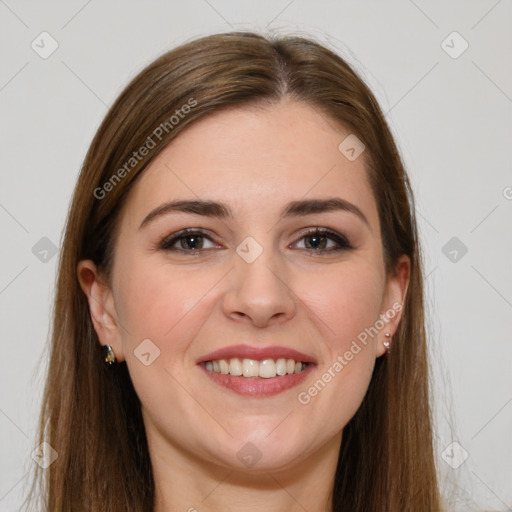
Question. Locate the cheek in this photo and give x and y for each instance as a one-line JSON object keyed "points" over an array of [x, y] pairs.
{"points": [[346, 306], [165, 304], [346, 300], [169, 307]]}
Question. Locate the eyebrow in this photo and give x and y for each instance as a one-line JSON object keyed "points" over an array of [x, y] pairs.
{"points": [[299, 208]]}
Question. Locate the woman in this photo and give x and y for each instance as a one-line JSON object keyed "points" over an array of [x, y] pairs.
{"points": [[239, 311]]}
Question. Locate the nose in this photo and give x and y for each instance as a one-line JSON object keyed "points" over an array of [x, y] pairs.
{"points": [[258, 292]]}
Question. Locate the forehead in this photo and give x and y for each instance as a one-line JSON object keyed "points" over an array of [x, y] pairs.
{"points": [[256, 159]]}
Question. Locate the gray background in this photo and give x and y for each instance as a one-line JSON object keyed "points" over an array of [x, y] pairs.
{"points": [[451, 115]]}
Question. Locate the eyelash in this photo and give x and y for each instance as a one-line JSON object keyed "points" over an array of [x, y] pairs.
{"points": [[343, 243]]}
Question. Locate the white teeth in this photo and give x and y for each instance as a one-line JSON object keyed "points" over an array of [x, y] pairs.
{"points": [[224, 367], [235, 366], [281, 366], [251, 368], [267, 369]]}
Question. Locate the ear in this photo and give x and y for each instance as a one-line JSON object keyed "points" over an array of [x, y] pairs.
{"points": [[101, 306], [393, 301]]}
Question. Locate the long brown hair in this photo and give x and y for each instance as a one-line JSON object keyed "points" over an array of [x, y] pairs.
{"points": [[91, 414]]}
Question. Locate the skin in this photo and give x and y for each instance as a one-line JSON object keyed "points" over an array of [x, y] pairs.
{"points": [[255, 161]]}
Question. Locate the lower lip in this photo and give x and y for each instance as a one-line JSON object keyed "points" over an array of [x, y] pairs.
{"points": [[259, 387]]}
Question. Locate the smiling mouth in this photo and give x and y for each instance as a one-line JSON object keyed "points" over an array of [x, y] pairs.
{"points": [[254, 369]]}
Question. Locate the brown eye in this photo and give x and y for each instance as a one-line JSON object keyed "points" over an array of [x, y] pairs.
{"points": [[185, 241], [318, 241]]}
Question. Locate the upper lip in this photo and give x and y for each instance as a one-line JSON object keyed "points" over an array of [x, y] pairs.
{"points": [[257, 353]]}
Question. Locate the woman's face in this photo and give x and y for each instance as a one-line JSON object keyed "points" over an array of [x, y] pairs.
{"points": [[252, 290]]}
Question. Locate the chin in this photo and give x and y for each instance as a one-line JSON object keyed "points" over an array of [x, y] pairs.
{"points": [[254, 460], [262, 452]]}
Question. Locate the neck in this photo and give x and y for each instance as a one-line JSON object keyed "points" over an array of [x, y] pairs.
{"points": [[182, 482]]}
